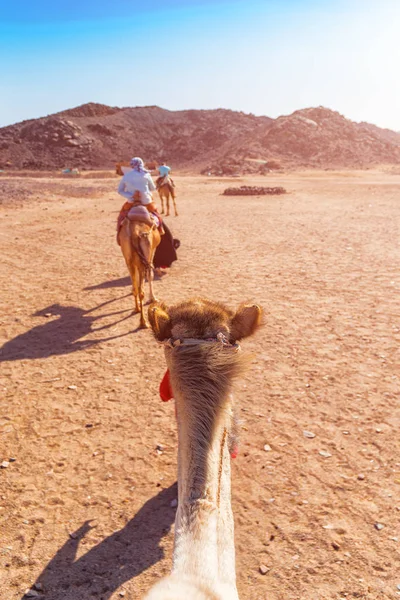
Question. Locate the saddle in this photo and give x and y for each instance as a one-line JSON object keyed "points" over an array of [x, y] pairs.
{"points": [[165, 180], [141, 214]]}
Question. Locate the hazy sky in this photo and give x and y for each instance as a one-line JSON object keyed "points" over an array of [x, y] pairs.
{"points": [[268, 57]]}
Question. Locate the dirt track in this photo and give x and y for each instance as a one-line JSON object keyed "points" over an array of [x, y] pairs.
{"points": [[81, 415]]}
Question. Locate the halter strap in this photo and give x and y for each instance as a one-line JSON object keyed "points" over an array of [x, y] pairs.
{"points": [[219, 339]]}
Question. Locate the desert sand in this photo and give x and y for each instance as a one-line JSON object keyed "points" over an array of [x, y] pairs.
{"points": [[90, 449]]}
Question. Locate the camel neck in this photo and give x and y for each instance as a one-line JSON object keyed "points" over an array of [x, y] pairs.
{"points": [[204, 544]]}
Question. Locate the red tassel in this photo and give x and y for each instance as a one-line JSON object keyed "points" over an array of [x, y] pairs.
{"points": [[165, 388], [235, 451]]}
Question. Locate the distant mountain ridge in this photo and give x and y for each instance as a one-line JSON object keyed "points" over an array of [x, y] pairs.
{"points": [[218, 141]]}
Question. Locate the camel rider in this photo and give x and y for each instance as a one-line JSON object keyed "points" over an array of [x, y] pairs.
{"points": [[137, 180], [164, 176]]}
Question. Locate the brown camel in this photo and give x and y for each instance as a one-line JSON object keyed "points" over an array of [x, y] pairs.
{"points": [[138, 244], [122, 167], [203, 357], [166, 191]]}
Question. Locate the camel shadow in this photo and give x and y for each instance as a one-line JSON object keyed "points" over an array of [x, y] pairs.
{"points": [[62, 335], [121, 282], [114, 561]]}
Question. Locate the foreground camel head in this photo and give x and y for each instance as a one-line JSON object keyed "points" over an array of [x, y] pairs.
{"points": [[203, 356], [203, 319], [201, 349]]}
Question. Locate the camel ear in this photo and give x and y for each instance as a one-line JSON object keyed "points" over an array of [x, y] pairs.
{"points": [[160, 321], [246, 320]]}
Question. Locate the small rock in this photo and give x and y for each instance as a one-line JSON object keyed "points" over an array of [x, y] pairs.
{"points": [[267, 448], [174, 503], [398, 586], [4, 464], [72, 387], [159, 448], [325, 454], [122, 593], [12, 459], [38, 586], [361, 477], [379, 526], [89, 425], [378, 430], [263, 569], [335, 546], [308, 434], [32, 594]]}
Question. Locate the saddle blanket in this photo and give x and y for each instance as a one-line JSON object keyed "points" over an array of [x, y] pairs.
{"points": [[140, 213]]}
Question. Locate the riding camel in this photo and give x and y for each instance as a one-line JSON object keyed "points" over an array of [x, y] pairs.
{"points": [[122, 167], [203, 357], [139, 241], [166, 191]]}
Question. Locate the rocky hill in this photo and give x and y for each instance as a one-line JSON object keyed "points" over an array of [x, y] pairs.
{"points": [[217, 141]]}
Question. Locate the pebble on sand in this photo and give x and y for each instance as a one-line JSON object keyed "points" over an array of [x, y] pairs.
{"points": [[174, 503], [325, 454], [379, 526], [267, 448], [263, 569], [4, 464], [308, 434]]}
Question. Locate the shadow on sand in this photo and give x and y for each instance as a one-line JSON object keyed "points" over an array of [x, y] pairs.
{"points": [[121, 282], [117, 559], [62, 335]]}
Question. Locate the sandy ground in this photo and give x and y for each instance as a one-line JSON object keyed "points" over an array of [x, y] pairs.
{"points": [[85, 506]]}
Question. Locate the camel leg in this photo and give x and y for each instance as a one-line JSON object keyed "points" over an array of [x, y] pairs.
{"points": [[129, 260], [162, 202], [150, 278], [135, 286], [143, 322], [173, 199], [167, 201]]}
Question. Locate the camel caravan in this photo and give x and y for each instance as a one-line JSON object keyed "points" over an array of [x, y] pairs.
{"points": [[202, 351], [164, 183], [145, 239]]}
